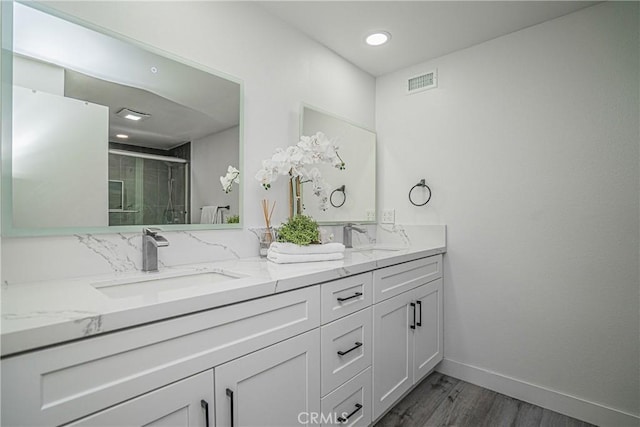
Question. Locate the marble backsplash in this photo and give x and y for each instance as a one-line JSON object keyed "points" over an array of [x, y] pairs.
{"points": [[59, 257]]}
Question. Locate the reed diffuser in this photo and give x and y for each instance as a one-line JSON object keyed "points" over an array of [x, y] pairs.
{"points": [[267, 237]]}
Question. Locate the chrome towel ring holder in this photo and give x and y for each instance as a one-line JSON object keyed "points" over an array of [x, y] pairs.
{"points": [[421, 184], [344, 196]]}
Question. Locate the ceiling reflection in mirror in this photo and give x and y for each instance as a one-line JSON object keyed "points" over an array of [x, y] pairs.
{"points": [[108, 133], [352, 191]]}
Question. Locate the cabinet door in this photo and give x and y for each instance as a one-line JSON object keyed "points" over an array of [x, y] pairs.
{"points": [[392, 351], [428, 332], [185, 403], [276, 386]]}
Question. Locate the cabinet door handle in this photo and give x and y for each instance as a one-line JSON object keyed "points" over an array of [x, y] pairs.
{"points": [[344, 420], [358, 344], [230, 394], [356, 295], [420, 312], [205, 405], [413, 305]]}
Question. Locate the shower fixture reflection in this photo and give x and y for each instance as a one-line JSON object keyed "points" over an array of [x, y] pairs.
{"points": [[154, 189]]}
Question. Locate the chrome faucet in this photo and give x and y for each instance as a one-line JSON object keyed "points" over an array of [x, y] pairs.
{"points": [[151, 241], [347, 235]]}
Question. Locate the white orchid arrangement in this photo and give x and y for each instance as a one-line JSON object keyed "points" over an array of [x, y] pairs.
{"points": [[233, 175], [295, 160]]}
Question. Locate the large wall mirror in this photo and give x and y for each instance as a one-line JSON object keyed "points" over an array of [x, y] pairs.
{"points": [[352, 190], [108, 135]]}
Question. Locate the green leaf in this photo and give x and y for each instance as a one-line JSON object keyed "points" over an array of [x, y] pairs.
{"points": [[301, 230]]}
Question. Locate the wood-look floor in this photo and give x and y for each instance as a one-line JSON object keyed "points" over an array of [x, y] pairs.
{"points": [[441, 400]]}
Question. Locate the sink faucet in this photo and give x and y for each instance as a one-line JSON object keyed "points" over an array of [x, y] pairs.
{"points": [[151, 241], [347, 235]]}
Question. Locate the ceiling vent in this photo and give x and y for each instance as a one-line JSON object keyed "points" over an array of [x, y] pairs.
{"points": [[422, 82], [126, 113]]}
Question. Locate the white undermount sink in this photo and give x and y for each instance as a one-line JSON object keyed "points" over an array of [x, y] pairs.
{"points": [[155, 283]]}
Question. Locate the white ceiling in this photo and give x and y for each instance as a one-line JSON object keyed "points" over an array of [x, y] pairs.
{"points": [[171, 123], [420, 30]]}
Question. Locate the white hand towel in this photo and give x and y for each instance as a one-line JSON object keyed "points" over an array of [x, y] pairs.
{"points": [[291, 258], [209, 215], [292, 248]]}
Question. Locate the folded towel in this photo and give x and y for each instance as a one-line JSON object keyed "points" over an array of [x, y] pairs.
{"points": [[295, 258], [292, 248]]}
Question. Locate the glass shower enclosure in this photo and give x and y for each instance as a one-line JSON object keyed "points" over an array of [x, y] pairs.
{"points": [[146, 189]]}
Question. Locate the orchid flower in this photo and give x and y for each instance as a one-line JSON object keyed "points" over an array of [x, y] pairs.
{"points": [[233, 175], [293, 160]]}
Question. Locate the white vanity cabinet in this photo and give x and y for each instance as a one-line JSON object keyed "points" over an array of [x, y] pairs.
{"points": [[335, 353], [64, 383], [408, 329], [277, 386]]}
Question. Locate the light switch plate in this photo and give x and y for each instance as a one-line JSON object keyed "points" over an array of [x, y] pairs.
{"points": [[388, 216]]}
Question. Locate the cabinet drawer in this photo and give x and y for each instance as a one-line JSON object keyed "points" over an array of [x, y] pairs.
{"points": [[66, 382], [346, 348], [345, 296], [394, 280], [352, 400]]}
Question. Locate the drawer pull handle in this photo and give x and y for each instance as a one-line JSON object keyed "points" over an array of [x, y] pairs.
{"points": [[420, 312], [356, 295], [344, 420], [230, 394], [358, 344], [205, 405], [413, 305]]}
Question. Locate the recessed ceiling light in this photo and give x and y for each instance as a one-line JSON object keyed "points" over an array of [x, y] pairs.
{"points": [[378, 38], [132, 115], [122, 136]]}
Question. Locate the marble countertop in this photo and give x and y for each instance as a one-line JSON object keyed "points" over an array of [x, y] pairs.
{"points": [[39, 314]]}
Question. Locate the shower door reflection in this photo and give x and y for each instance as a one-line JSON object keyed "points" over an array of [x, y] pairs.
{"points": [[154, 189]]}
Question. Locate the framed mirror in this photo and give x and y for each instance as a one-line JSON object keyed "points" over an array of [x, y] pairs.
{"points": [[352, 191], [107, 135]]}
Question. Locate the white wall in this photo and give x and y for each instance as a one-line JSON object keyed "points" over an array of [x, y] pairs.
{"points": [[280, 69], [530, 145], [210, 157]]}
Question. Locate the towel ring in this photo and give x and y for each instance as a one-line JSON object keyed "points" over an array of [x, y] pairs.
{"points": [[344, 196], [421, 184]]}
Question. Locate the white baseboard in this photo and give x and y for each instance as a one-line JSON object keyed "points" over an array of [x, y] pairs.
{"points": [[572, 406]]}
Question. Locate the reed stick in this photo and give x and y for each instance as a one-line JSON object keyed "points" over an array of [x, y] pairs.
{"points": [[291, 195], [267, 217]]}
